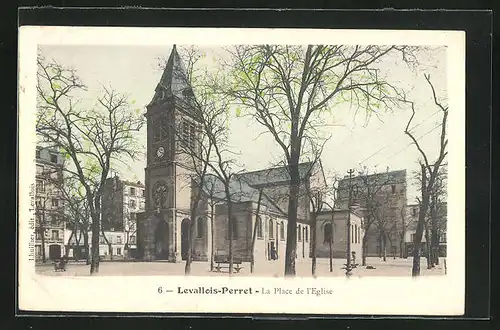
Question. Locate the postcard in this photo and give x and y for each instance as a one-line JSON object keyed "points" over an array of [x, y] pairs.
{"points": [[221, 170]]}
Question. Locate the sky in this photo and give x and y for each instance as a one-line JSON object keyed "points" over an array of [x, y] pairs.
{"points": [[378, 145]]}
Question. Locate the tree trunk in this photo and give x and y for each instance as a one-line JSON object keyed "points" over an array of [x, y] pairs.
{"points": [[428, 253], [420, 225], [331, 241], [401, 247], [212, 256], [384, 246], [87, 248], [314, 243], [291, 238], [230, 227], [434, 235], [363, 249], [192, 224], [96, 229], [67, 246], [330, 254], [94, 261], [254, 234]]}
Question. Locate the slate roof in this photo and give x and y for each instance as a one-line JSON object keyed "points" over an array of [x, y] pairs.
{"points": [[244, 187], [173, 81], [275, 175]]}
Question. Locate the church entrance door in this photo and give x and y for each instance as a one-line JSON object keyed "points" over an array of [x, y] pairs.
{"points": [[161, 240], [184, 238]]}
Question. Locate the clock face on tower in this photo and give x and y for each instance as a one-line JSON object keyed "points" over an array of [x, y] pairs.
{"points": [[160, 152]]}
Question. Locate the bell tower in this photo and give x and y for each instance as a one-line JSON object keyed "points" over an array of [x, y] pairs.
{"points": [[169, 118]]}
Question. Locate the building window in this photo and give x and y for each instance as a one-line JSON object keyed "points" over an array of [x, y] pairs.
{"points": [[55, 202], [159, 129], [306, 234], [38, 153], [443, 237], [39, 169], [119, 251], [53, 219], [282, 231], [393, 189], [199, 229], [132, 239], [259, 227], [413, 237], [143, 193], [55, 235], [102, 240], [118, 240], [38, 235], [132, 191], [53, 158], [352, 233], [414, 211], [38, 249], [132, 203], [188, 133], [270, 229], [40, 186], [299, 233], [328, 233]]}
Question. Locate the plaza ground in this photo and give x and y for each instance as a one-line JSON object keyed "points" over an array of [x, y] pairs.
{"points": [[391, 267]]}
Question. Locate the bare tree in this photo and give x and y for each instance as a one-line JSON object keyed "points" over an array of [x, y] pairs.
{"points": [[437, 210], [368, 191], [287, 89], [256, 228], [406, 222], [76, 209], [91, 138], [429, 170]]}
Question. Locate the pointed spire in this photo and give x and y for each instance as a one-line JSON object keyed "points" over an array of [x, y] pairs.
{"points": [[174, 80]]}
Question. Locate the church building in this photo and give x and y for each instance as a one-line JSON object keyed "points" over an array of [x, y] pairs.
{"points": [[162, 229]]}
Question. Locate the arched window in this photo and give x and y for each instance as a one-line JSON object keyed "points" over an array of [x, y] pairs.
{"points": [[199, 228], [299, 232], [352, 233], [328, 233], [259, 227], [306, 234], [282, 230], [270, 229]]}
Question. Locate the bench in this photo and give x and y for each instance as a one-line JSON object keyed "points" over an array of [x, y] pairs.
{"points": [[222, 262], [60, 265]]}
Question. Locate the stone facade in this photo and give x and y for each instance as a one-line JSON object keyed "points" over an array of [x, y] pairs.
{"points": [[337, 229], [388, 192], [49, 203]]}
